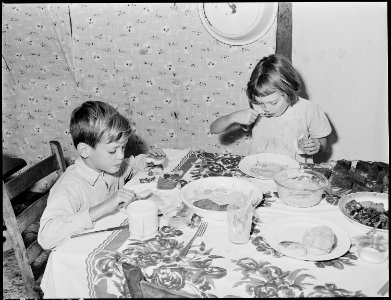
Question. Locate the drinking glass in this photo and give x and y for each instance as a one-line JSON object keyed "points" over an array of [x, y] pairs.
{"points": [[239, 216]]}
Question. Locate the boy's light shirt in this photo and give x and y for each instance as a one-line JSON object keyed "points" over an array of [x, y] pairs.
{"points": [[78, 189], [279, 134]]}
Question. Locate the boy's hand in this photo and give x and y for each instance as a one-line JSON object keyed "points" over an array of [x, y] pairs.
{"points": [[120, 199], [156, 152]]}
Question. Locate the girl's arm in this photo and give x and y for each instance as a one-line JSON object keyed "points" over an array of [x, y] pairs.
{"points": [[221, 124], [245, 117], [323, 144]]}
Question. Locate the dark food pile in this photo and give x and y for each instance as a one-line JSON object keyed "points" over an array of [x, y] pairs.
{"points": [[368, 213], [364, 177]]}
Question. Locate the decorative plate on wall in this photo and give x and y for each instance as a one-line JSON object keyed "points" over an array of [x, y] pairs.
{"points": [[238, 23]]}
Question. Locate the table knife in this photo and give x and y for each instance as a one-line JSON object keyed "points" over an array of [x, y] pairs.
{"points": [[103, 230]]}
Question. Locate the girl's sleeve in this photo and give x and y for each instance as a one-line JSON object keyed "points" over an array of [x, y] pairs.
{"points": [[318, 123]]}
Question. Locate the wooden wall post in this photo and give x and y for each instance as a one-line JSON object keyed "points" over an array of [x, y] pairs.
{"points": [[284, 30]]}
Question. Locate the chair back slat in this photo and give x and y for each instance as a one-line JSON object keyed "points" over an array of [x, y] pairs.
{"points": [[31, 213], [33, 251], [18, 245], [32, 175], [17, 224]]}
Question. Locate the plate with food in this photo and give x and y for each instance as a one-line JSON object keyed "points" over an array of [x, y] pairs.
{"points": [[266, 165], [306, 238], [210, 196], [366, 210]]}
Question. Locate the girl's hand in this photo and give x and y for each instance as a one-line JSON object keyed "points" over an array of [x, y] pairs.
{"points": [[246, 116], [311, 146]]}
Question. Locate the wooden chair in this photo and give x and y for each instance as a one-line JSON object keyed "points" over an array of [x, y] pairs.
{"points": [[140, 288], [26, 256]]}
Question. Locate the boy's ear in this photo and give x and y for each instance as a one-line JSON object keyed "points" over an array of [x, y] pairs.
{"points": [[84, 150]]}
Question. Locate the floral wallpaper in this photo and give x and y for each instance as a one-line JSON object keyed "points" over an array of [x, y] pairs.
{"points": [[154, 62]]}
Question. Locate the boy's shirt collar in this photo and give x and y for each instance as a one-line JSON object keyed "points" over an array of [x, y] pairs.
{"points": [[90, 175]]}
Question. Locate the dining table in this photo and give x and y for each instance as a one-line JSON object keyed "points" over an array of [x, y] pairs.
{"points": [[90, 266]]}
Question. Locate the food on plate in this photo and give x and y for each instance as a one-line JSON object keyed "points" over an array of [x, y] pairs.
{"points": [[361, 176], [166, 183], [319, 240], [209, 205], [292, 248], [368, 213], [266, 169]]}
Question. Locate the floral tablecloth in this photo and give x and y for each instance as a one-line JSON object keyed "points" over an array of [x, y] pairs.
{"points": [[91, 266]]}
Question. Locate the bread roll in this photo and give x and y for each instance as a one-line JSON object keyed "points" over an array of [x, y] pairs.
{"points": [[292, 248], [319, 240]]}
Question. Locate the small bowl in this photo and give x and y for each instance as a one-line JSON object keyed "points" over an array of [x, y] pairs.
{"points": [[300, 188], [179, 217]]}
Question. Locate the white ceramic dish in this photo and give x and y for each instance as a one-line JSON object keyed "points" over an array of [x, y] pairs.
{"points": [[218, 189], [266, 165], [238, 23], [360, 197], [294, 228]]}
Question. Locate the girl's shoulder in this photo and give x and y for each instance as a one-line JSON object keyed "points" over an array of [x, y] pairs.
{"points": [[305, 105]]}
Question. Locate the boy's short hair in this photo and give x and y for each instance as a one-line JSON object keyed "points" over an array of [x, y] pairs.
{"points": [[90, 121], [273, 73]]}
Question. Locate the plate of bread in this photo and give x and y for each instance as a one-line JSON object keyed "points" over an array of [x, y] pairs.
{"points": [[306, 238]]}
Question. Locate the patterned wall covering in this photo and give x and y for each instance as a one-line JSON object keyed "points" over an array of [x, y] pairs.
{"points": [[155, 63]]}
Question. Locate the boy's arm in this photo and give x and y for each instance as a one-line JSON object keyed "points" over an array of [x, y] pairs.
{"points": [[59, 220]]}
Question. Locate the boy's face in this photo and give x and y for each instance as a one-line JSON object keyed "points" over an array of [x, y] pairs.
{"points": [[273, 105], [107, 157]]}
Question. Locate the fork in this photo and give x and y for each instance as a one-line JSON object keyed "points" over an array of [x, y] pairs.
{"points": [[384, 289], [199, 232]]}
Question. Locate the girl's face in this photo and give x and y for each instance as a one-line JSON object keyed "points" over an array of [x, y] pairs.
{"points": [[273, 105], [107, 157]]}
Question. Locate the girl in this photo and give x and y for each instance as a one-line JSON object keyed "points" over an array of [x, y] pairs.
{"points": [[281, 121]]}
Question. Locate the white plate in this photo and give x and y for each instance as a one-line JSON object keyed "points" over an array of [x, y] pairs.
{"points": [[238, 23], [360, 197], [266, 165], [166, 199], [219, 188], [294, 228]]}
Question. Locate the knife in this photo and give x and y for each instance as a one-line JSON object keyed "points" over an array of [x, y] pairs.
{"points": [[103, 230]]}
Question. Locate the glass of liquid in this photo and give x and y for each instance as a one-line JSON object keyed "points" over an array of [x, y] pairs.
{"points": [[372, 248], [239, 218]]}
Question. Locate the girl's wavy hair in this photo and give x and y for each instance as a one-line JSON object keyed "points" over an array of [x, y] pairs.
{"points": [[273, 73], [93, 119]]}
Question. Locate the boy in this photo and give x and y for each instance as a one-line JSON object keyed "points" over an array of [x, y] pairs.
{"points": [[92, 186]]}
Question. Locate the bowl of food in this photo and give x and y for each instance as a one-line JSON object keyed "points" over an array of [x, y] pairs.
{"points": [[300, 188], [209, 197], [366, 210], [179, 216]]}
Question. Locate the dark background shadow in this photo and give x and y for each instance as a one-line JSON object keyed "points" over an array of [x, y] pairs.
{"points": [[135, 146], [232, 134]]}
